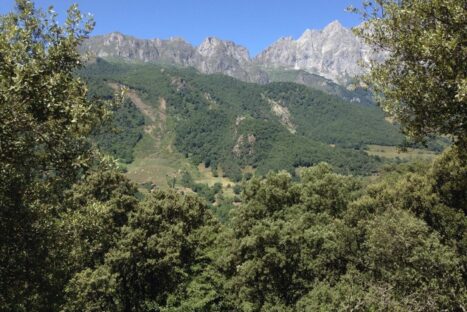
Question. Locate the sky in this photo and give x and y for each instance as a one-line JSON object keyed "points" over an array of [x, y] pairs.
{"points": [[254, 24]]}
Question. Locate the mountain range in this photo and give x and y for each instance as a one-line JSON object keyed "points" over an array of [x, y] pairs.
{"points": [[333, 53], [214, 104]]}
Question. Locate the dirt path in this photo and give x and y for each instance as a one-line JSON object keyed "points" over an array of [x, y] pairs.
{"points": [[162, 110]]}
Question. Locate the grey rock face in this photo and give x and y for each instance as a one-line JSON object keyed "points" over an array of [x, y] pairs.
{"points": [[212, 56], [226, 57], [333, 52], [173, 51]]}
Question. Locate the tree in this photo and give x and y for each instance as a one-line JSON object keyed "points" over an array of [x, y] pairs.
{"points": [[410, 265], [96, 210], [156, 258], [45, 117], [285, 237], [422, 80]]}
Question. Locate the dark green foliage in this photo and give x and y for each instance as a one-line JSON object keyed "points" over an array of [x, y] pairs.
{"points": [[422, 81], [217, 187], [203, 190], [324, 242], [155, 254], [285, 237], [331, 120], [186, 179], [97, 209], [329, 243], [357, 96], [237, 189], [450, 175], [202, 136], [230, 124], [45, 118], [222, 209], [119, 136]]}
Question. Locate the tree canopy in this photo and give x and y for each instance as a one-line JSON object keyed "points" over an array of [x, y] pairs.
{"points": [[421, 81]]}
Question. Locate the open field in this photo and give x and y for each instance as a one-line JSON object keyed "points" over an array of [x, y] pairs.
{"points": [[159, 163], [161, 169], [155, 159], [206, 177], [392, 152]]}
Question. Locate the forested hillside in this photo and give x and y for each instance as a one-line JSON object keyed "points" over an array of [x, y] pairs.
{"points": [[353, 93], [224, 122], [77, 235]]}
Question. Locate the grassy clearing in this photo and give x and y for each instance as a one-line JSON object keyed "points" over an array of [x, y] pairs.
{"points": [[392, 152], [155, 158], [157, 167], [205, 176], [160, 163]]}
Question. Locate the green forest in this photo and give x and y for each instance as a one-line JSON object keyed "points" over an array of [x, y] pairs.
{"points": [[211, 114], [346, 232]]}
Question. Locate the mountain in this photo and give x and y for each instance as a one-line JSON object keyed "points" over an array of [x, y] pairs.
{"points": [[228, 58], [333, 53], [230, 125], [172, 51], [351, 93], [211, 56]]}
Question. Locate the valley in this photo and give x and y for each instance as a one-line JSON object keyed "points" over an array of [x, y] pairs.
{"points": [[212, 127]]}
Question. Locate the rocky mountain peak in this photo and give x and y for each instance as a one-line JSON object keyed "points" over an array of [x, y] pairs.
{"points": [[209, 42], [287, 38], [222, 56], [116, 36], [334, 26], [213, 46], [309, 33], [333, 52], [178, 39]]}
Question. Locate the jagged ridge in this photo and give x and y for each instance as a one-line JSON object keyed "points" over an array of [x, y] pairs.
{"points": [[333, 53]]}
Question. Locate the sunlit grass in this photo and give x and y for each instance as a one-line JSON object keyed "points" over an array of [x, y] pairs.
{"points": [[393, 152]]}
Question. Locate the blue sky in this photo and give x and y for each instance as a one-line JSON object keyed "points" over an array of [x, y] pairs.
{"points": [[252, 23]]}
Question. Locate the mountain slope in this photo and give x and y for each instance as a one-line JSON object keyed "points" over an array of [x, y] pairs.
{"points": [[230, 124], [354, 94]]}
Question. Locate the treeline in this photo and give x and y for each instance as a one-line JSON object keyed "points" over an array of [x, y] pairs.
{"points": [[327, 242], [331, 119]]}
